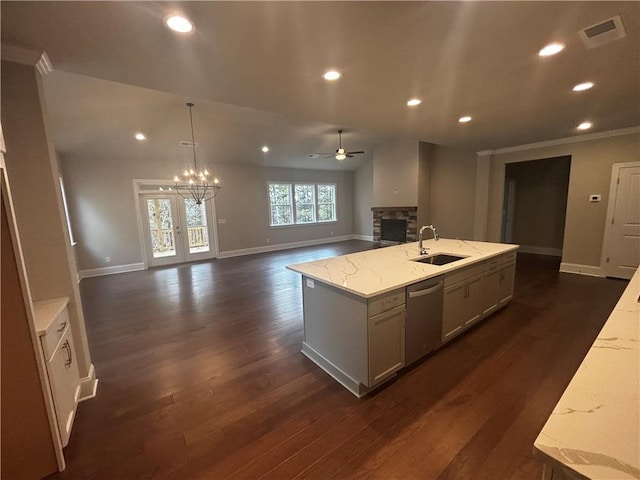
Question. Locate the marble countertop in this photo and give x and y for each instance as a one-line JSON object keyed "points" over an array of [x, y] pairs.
{"points": [[374, 272], [47, 311], [594, 430]]}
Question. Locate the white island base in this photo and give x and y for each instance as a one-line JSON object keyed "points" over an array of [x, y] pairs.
{"points": [[358, 316]]}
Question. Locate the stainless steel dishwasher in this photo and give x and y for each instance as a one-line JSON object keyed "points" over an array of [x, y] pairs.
{"points": [[423, 327]]}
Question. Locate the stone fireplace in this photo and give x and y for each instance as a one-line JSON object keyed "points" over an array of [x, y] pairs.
{"points": [[390, 235]]}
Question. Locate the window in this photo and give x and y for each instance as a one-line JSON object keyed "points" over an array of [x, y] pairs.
{"points": [[302, 203], [305, 203], [280, 203], [326, 203], [66, 211]]}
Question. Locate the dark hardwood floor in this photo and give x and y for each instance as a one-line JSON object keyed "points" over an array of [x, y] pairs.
{"points": [[201, 376]]}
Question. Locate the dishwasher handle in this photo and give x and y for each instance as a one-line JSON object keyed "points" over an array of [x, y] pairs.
{"points": [[426, 291]]}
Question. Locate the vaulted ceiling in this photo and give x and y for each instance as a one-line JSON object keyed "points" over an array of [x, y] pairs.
{"points": [[254, 70]]}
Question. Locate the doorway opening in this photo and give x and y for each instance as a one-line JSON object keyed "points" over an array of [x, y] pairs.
{"points": [[174, 229], [535, 204]]}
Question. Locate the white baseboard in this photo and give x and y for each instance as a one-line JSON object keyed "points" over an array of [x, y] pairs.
{"points": [[88, 385], [366, 238], [589, 270], [97, 272], [283, 246], [553, 252]]}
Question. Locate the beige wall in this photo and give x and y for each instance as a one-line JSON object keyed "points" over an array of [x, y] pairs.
{"points": [[452, 194], [395, 174], [425, 152], [591, 162], [102, 206], [540, 203], [363, 200]]}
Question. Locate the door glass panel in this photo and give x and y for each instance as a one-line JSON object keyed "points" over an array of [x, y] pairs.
{"points": [[161, 227], [197, 226]]}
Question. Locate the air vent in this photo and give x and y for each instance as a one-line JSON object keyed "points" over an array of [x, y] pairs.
{"points": [[603, 32], [313, 155], [186, 143]]}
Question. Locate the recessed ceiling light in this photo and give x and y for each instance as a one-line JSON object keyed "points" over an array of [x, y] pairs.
{"points": [[464, 119], [140, 136], [265, 149], [178, 23], [331, 75], [581, 87], [585, 126], [414, 101], [551, 49]]}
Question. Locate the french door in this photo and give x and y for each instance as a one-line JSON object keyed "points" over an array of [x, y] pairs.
{"points": [[176, 230]]}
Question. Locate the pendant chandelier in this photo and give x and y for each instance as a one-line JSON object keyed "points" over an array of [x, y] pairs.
{"points": [[194, 184]]}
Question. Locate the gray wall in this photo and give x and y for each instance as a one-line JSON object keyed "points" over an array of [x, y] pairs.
{"points": [[363, 200], [395, 174], [102, 206], [591, 162], [452, 191], [540, 202]]}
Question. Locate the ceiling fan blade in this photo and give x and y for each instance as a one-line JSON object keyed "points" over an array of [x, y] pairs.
{"points": [[359, 152]]}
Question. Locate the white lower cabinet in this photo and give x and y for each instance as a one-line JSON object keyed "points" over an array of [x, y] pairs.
{"points": [[473, 293], [386, 344], [63, 375], [462, 306], [62, 369]]}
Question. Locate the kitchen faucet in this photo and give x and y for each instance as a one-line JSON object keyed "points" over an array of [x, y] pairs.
{"points": [[423, 251]]}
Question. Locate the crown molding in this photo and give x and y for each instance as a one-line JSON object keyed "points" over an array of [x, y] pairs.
{"points": [[27, 56], [562, 141]]}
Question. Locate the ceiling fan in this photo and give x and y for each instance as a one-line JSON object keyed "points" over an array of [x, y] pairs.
{"points": [[340, 154]]}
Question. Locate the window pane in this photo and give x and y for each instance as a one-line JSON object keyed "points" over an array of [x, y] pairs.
{"points": [[326, 213], [197, 226], [304, 214], [281, 215], [161, 227]]}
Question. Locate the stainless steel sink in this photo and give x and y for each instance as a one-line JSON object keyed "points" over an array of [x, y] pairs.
{"points": [[439, 259]]}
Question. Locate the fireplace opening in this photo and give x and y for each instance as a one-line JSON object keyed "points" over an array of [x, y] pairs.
{"points": [[393, 230]]}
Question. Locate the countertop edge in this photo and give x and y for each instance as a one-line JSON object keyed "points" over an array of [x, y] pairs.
{"points": [[46, 311], [471, 260]]}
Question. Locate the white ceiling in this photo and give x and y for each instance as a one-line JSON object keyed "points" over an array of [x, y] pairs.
{"points": [[254, 70]]}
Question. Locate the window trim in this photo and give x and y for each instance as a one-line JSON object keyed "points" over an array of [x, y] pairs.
{"points": [[316, 204]]}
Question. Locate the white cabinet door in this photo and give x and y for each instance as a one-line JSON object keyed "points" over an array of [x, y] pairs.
{"points": [[454, 310], [505, 282], [474, 301], [65, 383], [386, 344], [490, 290]]}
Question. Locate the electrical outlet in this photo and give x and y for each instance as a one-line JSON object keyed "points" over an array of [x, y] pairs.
{"points": [[267, 240], [332, 234], [595, 198], [107, 259], [222, 221]]}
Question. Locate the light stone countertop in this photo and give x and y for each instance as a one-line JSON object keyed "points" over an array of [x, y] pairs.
{"points": [[374, 272], [594, 430], [47, 311]]}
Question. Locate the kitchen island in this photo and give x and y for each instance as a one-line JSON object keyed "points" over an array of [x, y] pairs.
{"points": [[361, 310], [594, 430]]}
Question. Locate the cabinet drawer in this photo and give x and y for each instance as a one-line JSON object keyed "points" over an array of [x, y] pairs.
{"points": [[54, 333], [465, 273], [386, 302], [507, 258]]}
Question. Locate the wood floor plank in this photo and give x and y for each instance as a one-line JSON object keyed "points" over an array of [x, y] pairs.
{"points": [[201, 376]]}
